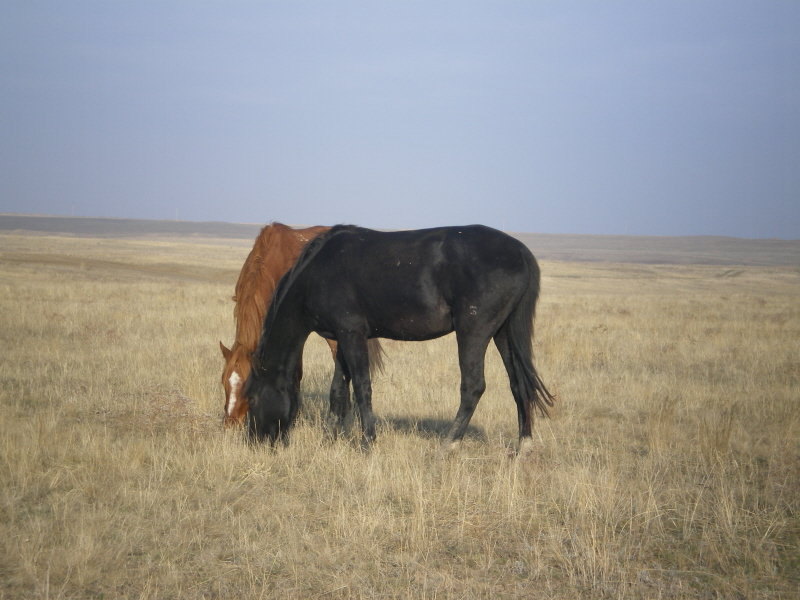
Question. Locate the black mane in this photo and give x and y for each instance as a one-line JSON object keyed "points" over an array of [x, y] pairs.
{"points": [[286, 282]]}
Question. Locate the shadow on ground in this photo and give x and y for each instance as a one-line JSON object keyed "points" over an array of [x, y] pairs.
{"points": [[429, 428], [316, 409]]}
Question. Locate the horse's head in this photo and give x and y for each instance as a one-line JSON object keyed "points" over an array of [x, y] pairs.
{"points": [[273, 406], [235, 373]]}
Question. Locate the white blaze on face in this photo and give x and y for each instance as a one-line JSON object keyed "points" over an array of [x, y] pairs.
{"points": [[235, 382]]}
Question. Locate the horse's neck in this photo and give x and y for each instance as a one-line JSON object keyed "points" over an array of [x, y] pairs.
{"points": [[252, 302], [281, 346]]}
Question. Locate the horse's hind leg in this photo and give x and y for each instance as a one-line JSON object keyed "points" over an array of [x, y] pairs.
{"points": [[524, 409], [471, 357]]}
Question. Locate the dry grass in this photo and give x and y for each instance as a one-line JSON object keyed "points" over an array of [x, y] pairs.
{"points": [[671, 468]]}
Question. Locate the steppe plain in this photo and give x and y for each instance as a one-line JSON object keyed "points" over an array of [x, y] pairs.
{"points": [[670, 467]]}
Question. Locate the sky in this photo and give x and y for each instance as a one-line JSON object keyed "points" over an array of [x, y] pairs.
{"points": [[614, 117]]}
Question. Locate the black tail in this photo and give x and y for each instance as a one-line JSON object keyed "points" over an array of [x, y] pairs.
{"points": [[520, 336], [376, 354]]}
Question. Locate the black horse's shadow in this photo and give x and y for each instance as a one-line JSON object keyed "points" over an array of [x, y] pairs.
{"points": [[316, 410], [429, 427]]}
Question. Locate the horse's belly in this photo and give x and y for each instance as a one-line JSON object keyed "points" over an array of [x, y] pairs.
{"points": [[413, 327]]}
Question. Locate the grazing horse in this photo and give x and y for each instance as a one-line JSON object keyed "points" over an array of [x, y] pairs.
{"points": [[274, 252], [352, 284]]}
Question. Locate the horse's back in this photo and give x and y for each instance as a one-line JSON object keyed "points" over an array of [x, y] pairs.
{"points": [[398, 259], [414, 284]]}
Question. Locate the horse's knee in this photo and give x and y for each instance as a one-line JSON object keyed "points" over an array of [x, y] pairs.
{"points": [[472, 389]]}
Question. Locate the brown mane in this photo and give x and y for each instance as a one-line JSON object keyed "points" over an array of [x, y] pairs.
{"points": [[274, 252]]}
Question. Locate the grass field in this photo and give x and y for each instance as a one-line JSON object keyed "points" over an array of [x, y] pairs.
{"points": [[670, 468]]}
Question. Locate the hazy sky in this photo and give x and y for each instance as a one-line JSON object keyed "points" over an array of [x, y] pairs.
{"points": [[641, 117]]}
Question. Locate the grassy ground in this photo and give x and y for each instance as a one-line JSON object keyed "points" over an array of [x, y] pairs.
{"points": [[670, 468]]}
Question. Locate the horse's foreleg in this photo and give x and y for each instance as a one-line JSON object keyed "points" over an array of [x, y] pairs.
{"points": [[339, 397], [353, 349]]}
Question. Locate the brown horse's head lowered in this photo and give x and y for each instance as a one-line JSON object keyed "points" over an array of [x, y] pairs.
{"points": [[235, 373]]}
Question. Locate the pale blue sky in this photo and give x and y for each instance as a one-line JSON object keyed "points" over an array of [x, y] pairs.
{"points": [[640, 117]]}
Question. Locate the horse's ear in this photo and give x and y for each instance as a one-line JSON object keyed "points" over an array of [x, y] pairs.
{"points": [[226, 354]]}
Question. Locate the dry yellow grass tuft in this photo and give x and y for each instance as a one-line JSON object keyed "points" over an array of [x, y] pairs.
{"points": [[670, 469]]}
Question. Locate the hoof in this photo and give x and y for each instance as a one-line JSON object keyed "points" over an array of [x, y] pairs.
{"points": [[449, 448], [526, 447]]}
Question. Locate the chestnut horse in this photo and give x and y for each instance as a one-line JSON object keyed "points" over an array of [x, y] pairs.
{"points": [[274, 252]]}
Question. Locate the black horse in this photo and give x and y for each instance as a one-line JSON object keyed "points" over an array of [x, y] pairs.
{"points": [[352, 284]]}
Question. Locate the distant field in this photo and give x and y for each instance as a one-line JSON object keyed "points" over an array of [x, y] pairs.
{"points": [[670, 468], [579, 248]]}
